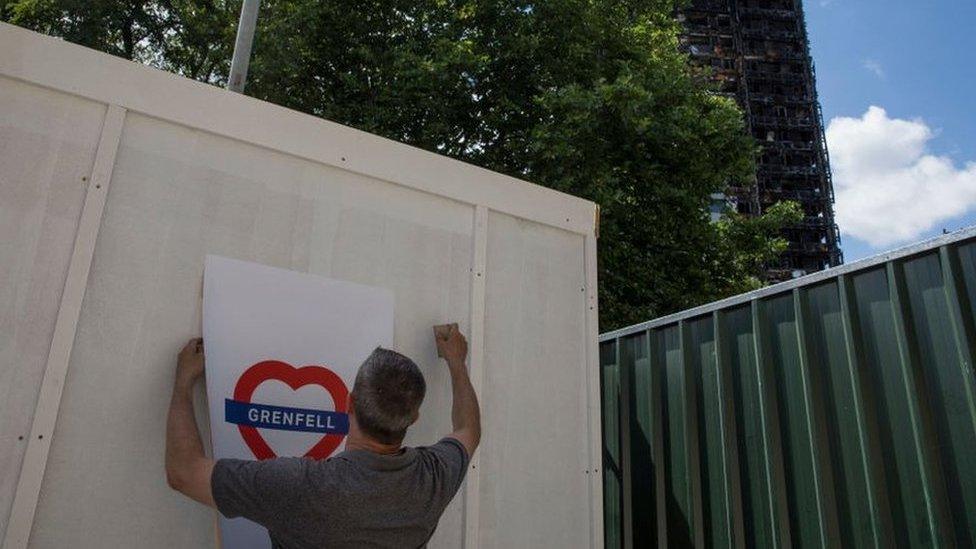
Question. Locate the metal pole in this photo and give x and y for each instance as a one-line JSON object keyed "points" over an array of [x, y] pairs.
{"points": [[242, 46]]}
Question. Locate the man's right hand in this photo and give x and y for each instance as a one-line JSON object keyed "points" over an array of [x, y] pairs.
{"points": [[465, 413], [451, 345]]}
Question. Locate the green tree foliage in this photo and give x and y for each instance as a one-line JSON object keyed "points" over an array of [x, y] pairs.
{"points": [[191, 37], [589, 97]]}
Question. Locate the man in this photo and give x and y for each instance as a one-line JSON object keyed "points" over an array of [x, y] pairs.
{"points": [[376, 493]]}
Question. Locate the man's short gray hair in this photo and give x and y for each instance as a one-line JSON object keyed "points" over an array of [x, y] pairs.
{"points": [[387, 395]]}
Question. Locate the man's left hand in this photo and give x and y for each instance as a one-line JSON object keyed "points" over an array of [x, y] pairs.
{"points": [[189, 366]]}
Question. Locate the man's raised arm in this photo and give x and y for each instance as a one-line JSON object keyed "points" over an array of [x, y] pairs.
{"points": [[187, 467], [466, 416]]}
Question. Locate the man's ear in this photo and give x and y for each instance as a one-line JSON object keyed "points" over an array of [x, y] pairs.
{"points": [[416, 416], [352, 404]]}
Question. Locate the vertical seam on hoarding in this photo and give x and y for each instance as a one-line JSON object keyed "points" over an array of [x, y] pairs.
{"points": [[69, 311], [816, 429], [592, 383], [692, 446], [772, 448], [730, 450], [871, 456], [656, 393], [607, 459], [479, 261], [961, 321], [625, 411], [723, 428], [962, 324], [926, 447]]}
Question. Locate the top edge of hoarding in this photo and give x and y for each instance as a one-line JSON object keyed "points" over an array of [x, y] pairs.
{"points": [[918, 248], [80, 71]]}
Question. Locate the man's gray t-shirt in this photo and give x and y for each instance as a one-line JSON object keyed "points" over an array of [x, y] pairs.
{"points": [[354, 499]]}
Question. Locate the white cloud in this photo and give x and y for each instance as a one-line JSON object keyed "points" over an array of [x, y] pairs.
{"points": [[874, 67], [889, 187]]}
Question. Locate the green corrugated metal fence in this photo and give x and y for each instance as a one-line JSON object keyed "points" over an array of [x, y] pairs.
{"points": [[838, 409]]}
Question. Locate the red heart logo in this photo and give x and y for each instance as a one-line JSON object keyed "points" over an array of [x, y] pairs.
{"points": [[294, 378]]}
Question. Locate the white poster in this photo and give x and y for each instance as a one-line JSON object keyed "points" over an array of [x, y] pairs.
{"points": [[282, 351]]}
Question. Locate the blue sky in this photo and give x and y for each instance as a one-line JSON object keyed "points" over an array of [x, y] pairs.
{"points": [[913, 61]]}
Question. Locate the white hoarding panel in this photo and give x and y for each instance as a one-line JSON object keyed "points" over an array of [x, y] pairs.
{"points": [[47, 147], [178, 195], [198, 171], [534, 325]]}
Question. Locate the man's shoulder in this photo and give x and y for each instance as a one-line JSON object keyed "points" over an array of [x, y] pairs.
{"points": [[447, 449], [446, 443]]}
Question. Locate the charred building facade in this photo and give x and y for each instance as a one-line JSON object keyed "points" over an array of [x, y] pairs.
{"points": [[758, 53]]}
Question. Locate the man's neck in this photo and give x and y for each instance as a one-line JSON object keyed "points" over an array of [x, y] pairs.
{"points": [[357, 441]]}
